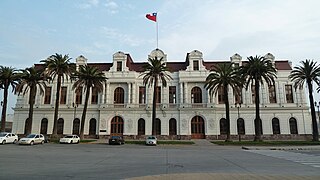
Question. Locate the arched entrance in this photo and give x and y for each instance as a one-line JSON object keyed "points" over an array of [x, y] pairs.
{"points": [[92, 126], [116, 126], [197, 128], [76, 126], [44, 126]]}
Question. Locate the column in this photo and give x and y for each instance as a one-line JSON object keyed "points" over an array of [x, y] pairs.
{"points": [[181, 93], [134, 93], [103, 100], [186, 100], [107, 93], [129, 92]]}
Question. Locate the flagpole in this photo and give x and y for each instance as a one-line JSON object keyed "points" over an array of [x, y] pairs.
{"points": [[157, 31]]}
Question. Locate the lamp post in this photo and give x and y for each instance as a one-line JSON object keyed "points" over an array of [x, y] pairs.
{"points": [[74, 105], [317, 106], [238, 106]]}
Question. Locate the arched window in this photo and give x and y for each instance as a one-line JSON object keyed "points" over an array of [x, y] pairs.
{"points": [[26, 126], [261, 130], [196, 95], [240, 126], [158, 126], [92, 126], [293, 126], [44, 126], [119, 96], [141, 127], [60, 126], [223, 126], [172, 126], [76, 126], [117, 126], [275, 126], [197, 128]]}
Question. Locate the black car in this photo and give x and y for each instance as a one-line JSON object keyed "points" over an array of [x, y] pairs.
{"points": [[116, 140]]}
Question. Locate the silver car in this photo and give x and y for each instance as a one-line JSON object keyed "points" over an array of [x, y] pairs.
{"points": [[32, 139], [6, 138], [151, 140]]}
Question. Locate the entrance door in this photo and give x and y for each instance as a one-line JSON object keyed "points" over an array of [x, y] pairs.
{"points": [[197, 128]]}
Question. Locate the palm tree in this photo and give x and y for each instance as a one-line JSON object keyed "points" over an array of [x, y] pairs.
{"points": [[257, 71], [308, 72], [31, 79], [8, 77], [155, 72], [224, 75], [57, 65], [87, 77]]}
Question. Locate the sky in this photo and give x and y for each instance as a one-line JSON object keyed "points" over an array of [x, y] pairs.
{"points": [[32, 30]]}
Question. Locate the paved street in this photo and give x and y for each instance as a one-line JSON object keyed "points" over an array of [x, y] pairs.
{"points": [[101, 161]]}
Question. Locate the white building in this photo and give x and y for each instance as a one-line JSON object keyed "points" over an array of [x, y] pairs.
{"points": [[185, 109]]}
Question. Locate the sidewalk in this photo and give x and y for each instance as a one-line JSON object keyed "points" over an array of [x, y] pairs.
{"points": [[315, 147], [223, 176]]}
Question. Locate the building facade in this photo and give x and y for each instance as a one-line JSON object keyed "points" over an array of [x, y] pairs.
{"points": [[185, 108]]}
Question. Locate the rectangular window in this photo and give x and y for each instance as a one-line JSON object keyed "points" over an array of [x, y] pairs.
{"points": [[272, 94], [94, 96], [79, 96], [289, 94], [253, 93], [237, 97], [47, 95], [220, 96], [63, 95], [158, 94], [142, 95], [119, 65], [172, 95], [195, 65]]}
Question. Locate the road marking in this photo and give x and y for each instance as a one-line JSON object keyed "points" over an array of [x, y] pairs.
{"points": [[301, 158]]}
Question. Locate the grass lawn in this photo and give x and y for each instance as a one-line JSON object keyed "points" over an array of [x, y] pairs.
{"points": [[267, 143], [162, 142]]}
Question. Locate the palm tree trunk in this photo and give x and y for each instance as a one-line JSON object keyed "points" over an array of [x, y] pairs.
{"points": [[84, 112], [226, 102], [32, 96], [4, 108], [154, 106], [56, 107], [315, 132], [257, 120]]}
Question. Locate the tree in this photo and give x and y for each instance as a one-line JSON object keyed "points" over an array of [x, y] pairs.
{"points": [[257, 71], [222, 76], [9, 77], [88, 77], [308, 72], [32, 79], [155, 72], [57, 67]]}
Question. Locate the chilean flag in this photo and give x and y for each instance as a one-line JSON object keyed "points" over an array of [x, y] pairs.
{"points": [[152, 17]]}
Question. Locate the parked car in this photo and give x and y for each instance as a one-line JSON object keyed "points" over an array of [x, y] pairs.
{"points": [[70, 139], [151, 140], [6, 137], [32, 139], [116, 140]]}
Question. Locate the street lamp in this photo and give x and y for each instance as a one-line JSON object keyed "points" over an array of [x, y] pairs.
{"points": [[74, 105], [238, 106], [317, 106]]}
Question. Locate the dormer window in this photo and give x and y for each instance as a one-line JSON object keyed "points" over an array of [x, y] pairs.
{"points": [[119, 66], [196, 65]]}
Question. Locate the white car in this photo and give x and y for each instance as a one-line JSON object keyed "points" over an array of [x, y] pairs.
{"points": [[32, 139], [70, 139], [6, 137], [151, 140]]}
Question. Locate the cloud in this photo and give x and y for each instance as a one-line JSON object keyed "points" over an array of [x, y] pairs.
{"points": [[221, 28], [88, 4], [122, 38], [112, 7]]}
